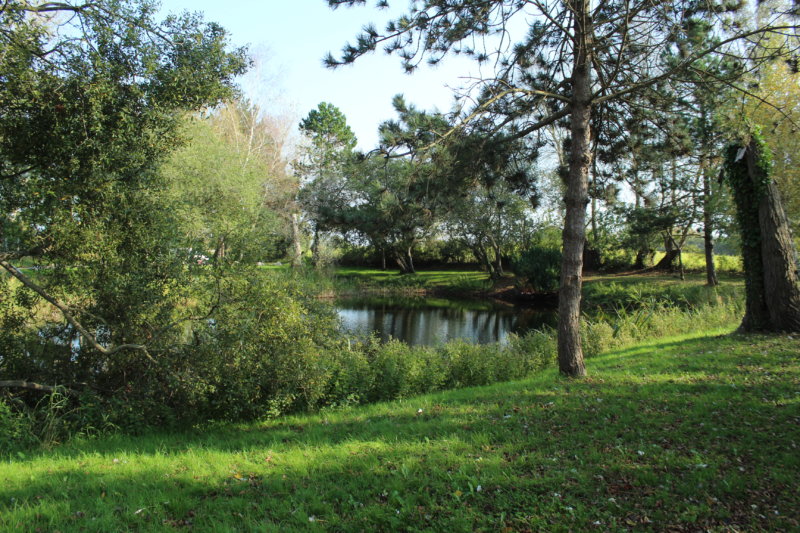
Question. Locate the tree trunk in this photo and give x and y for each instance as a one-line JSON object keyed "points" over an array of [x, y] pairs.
{"points": [[297, 254], [401, 262], [746, 193], [780, 263], [405, 261], [591, 258], [770, 261], [593, 207], [410, 259], [482, 256], [498, 263], [641, 256], [708, 239], [498, 260], [383, 259], [671, 253], [570, 352], [315, 248]]}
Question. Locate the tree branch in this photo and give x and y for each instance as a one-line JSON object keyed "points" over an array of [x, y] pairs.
{"points": [[685, 64], [65, 311], [20, 384]]}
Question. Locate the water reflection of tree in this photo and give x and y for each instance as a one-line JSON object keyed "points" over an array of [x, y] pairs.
{"points": [[420, 325]]}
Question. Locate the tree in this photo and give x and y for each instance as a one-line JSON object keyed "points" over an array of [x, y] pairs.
{"points": [[769, 257], [321, 166], [573, 58], [231, 184], [89, 109], [489, 222], [492, 189]]}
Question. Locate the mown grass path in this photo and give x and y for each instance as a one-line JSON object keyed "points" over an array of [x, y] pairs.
{"points": [[681, 434]]}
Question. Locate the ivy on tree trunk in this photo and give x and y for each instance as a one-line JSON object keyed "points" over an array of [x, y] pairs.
{"points": [[770, 261]]}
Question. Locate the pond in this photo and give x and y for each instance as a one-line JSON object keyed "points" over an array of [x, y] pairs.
{"points": [[430, 321]]}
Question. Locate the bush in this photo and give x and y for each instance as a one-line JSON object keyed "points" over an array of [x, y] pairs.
{"points": [[539, 267], [470, 364], [16, 431]]}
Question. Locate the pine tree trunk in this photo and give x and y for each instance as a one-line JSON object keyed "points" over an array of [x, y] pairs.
{"points": [[708, 239], [570, 351], [593, 215]]}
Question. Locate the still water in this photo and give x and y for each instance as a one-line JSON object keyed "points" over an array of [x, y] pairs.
{"points": [[430, 321]]}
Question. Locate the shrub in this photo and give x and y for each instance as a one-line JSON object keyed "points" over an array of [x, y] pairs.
{"points": [[470, 364], [16, 431], [540, 267]]}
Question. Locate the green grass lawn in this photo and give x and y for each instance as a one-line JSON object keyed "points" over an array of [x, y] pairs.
{"points": [[683, 434], [432, 279]]}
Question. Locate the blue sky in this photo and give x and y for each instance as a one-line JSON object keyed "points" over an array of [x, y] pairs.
{"points": [[292, 37]]}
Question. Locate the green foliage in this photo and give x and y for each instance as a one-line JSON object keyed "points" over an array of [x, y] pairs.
{"points": [[696, 262], [327, 128], [623, 327], [91, 105], [271, 350], [229, 186], [610, 295], [540, 267], [747, 190], [323, 165], [16, 430]]}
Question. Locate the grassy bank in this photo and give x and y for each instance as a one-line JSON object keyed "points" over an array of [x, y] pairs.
{"points": [[680, 434], [613, 292], [625, 288]]}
